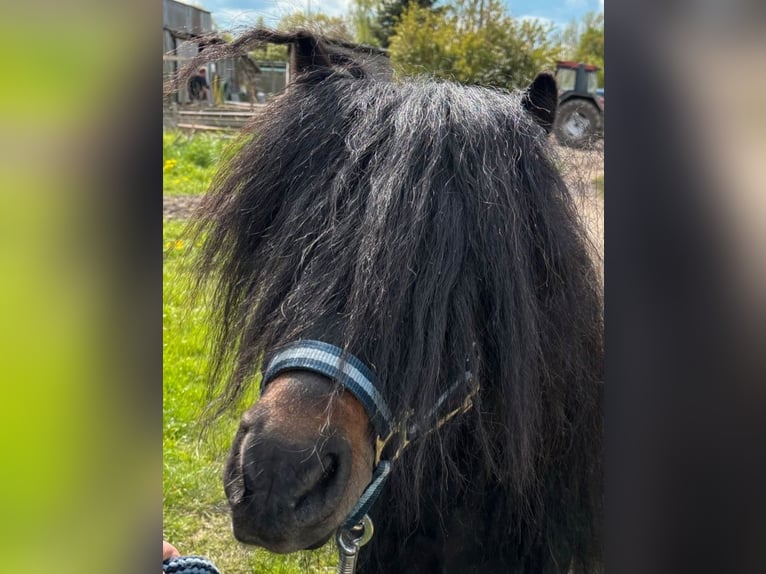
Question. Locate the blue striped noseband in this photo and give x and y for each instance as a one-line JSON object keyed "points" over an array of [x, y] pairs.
{"points": [[358, 379]]}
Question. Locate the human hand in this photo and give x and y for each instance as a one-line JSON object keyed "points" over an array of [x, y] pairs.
{"points": [[168, 551]]}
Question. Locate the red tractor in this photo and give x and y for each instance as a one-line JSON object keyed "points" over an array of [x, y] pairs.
{"points": [[580, 115]]}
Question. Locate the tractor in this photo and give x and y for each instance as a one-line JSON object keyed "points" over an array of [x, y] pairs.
{"points": [[580, 115]]}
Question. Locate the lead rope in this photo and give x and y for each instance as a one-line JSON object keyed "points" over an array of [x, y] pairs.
{"points": [[189, 565], [349, 541]]}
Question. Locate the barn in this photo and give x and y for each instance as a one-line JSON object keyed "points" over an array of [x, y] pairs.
{"points": [[185, 31]]}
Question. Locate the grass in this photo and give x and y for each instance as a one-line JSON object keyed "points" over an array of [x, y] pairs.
{"points": [[189, 161], [195, 514]]}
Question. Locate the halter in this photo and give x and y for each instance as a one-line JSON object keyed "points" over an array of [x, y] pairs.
{"points": [[391, 437]]}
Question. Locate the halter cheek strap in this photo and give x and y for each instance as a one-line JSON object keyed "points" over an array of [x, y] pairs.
{"points": [[356, 378]]}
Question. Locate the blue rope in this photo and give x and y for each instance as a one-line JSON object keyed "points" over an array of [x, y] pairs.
{"points": [[369, 495], [189, 565]]}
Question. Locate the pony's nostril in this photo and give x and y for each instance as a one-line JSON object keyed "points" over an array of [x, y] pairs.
{"points": [[318, 478], [236, 488], [324, 484], [329, 471], [247, 484]]}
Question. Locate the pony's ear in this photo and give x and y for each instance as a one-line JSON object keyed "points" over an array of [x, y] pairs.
{"points": [[540, 99], [308, 54]]}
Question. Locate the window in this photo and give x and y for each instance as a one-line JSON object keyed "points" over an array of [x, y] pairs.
{"points": [[565, 78]]}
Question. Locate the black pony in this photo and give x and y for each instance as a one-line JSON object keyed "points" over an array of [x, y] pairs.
{"points": [[421, 226]]}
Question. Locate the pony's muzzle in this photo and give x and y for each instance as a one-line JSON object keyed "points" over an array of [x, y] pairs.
{"points": [[285, 493], [299, 463]]}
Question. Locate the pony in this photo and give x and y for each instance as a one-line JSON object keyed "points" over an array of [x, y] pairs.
{"points": [[422, 227]]}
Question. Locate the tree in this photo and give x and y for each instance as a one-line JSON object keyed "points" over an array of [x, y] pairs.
{"points": [[389, 12], [330, 26], [568, 38], [473, 42], [363, 17], [590, 47], [583, 41], [333, 27]]}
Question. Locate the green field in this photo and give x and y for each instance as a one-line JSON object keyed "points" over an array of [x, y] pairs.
{"points": [[195, 515], [189, 161]]}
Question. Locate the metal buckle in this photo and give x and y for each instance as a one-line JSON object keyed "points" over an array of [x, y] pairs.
{"points": [[407, 433], [400, 431], [349, 541]]}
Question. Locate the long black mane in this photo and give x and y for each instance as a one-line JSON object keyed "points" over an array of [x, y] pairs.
{"points": [[423, 226]]}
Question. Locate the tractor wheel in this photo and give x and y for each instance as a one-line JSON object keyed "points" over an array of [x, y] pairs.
{"points": [[578, 123]]}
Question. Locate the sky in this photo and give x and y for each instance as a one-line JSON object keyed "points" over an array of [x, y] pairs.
{"points": [[234, 15]]}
